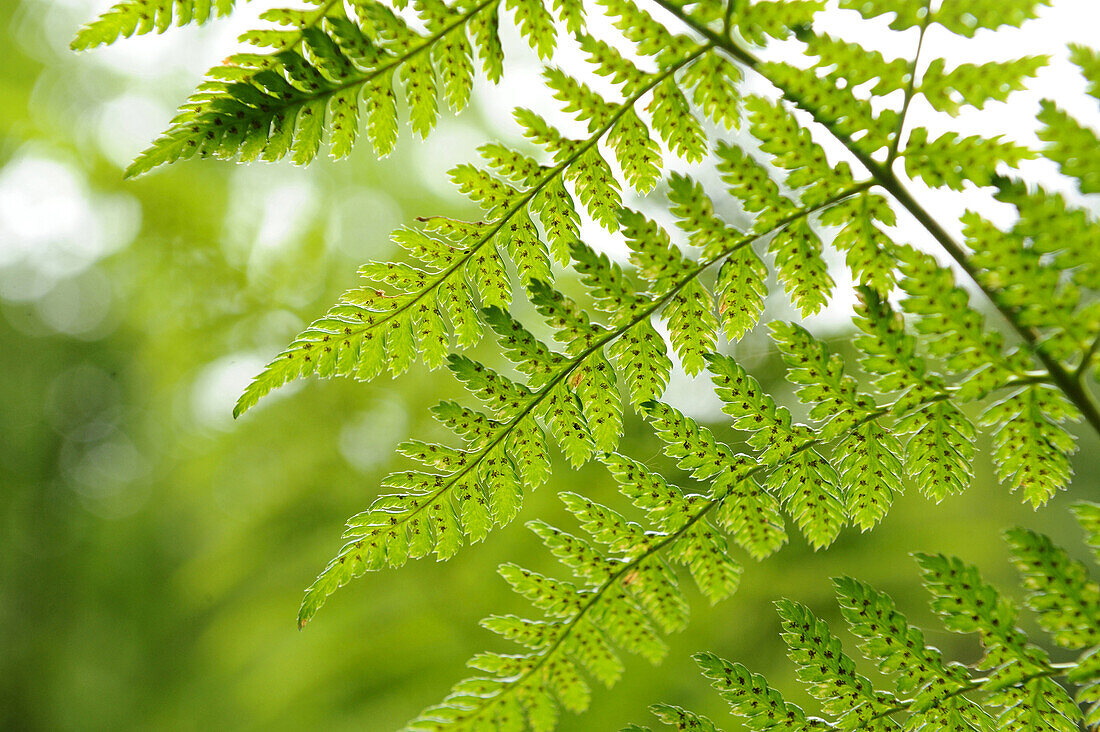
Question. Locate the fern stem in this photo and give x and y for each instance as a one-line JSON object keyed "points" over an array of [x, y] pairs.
{"points": [[1052, 670], [548, 177], [544, 391], [1063, 379], [612, 335], [1071, 387], [1086, 359], [909, 87], [628, 565]]}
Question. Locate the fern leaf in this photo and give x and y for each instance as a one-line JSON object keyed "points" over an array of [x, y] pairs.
{"points": [[967, 605], [834, 105], [821, 380], [676, 123], [794, 150], [1046, 302], [976, 84], [273, 105], [637, 153], [1031, 448], [714, 81], [137, 17], [940, 451], [777, 19], [899, 651], [749, 695], [1055, 228], [802, 478], [1072, 145], [966, 17], [950, 160], [1058, 589], [829, 672], [1088, 60], [907, 13], [535, 24], [651, 38], [681, 718], [870, 254], [747, 513], [804, 274], [856, 64], [750, 183], [954, 330], [741, 289]]}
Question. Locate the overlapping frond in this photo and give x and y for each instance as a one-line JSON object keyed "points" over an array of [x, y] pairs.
{"points": [[325, 72], [1022, 689], [137, 17]]}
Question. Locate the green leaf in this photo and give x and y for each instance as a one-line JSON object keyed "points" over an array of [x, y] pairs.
{"points": [[137, 17], [1075, 147], [951, 160], [976, 84], [1031, 448]]}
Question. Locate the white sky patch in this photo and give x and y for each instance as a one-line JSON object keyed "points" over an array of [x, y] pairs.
{"points": [[217, 386], [53, 226]]}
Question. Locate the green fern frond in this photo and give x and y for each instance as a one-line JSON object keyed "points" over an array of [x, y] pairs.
{"points": [[1055, 308], [829, 673], [976, 84], [958, 16], [1088, 60], [749, 696], [1072, 145], [137, 17], [802, 479], [1021, 688], [951, 160], [268, 106], [757, 21], [967, 17]]}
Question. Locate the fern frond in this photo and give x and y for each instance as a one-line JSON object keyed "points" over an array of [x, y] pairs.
{"points": [[749, 696], [967, 17], [1059, 588], [1055, 228], [276, 104], [968, 605], [976, 84], [899, 650], [829, 673], [1020, 691], [1072, 145], [1088, 60], [778, 19], [802, 478], [1052, 307], [137, 17], [951, 160], [958, 16], [1031, 447]]}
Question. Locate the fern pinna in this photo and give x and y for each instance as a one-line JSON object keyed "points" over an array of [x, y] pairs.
{"points": [[930, 368], [1014, 686]]}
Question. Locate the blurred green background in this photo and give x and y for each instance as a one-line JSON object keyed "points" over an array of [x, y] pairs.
{"points": [[153, 551]]}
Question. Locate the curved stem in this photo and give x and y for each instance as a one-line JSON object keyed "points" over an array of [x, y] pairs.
{"points": [[972, 685], [664, 541], [883, 176], [909, 87], [1086, 360]]}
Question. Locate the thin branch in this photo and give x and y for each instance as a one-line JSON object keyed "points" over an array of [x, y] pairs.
{"points": [[910, 86], [1086, 359]]}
